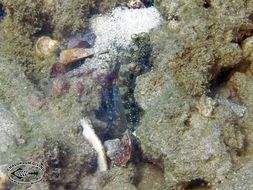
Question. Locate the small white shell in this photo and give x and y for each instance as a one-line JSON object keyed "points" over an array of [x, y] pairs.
{"points": [[206, 106], [45, 46]]}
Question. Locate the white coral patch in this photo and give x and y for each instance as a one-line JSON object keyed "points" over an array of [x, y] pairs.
{"points": [[116, 28]]}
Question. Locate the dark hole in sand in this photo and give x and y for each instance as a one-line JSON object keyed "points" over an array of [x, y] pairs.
{"points": [[207, 4], [197, 184]]}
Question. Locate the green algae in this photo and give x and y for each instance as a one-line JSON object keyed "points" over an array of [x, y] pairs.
{"points": [[195, 59], [36, 125], [25, 21]]}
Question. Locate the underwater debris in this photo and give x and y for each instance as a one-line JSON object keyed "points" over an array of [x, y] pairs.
{"points": [[206, 105], [92, 138], [75, 54], [111, 147], [123, 155], [128, 149], [45, 46]]}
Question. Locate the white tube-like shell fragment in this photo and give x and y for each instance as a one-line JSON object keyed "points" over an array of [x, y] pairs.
{"points": [[90, 135]]}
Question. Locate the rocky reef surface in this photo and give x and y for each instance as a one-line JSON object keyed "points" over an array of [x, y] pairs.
{"points": [[196, 119], [169, 93]]}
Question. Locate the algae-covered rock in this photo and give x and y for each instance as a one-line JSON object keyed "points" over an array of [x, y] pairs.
{"points": [[240, 179], [196, 51], [241, 86], [196, 139], [191, 79], [45, 16], [25, 21], [8, 131], [104, 6], [39, 133], [191, 146], [118, 178], [151, 178]]}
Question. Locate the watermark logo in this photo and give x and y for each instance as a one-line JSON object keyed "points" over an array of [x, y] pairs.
{"points": [[25, 172]]}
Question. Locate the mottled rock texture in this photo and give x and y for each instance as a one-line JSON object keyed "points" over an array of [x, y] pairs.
{"points": [[8, 131], [25, 21], [47, 134], [200, 54], [118, 178], [241, 179], [196, 124]]}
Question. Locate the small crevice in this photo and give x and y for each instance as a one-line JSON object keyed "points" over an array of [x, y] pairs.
{"points": [[2, 12], [222, 77], [242, 32], [207, 4], [119, 108], [148, 3], [197, 184]]}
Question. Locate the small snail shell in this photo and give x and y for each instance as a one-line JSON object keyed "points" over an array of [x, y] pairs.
{"points": [[45, 46]]}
